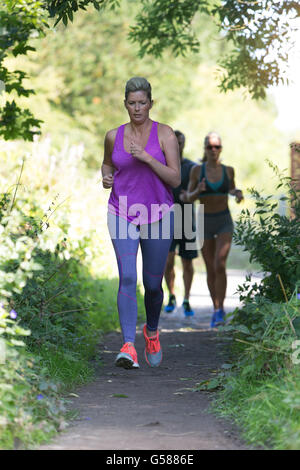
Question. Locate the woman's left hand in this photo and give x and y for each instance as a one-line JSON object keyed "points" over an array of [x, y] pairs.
{"points": [[239, 196], [138, 152]]}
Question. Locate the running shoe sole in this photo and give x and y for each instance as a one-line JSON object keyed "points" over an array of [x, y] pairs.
{"points": [[189, 314], [169, 309], [171, 306], [125, 360]]}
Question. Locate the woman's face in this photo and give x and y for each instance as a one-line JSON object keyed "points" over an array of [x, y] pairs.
{"points": [[138, 106], [213, 148]]}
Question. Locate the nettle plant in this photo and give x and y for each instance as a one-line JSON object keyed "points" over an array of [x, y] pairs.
{"points": [[273, 240]]}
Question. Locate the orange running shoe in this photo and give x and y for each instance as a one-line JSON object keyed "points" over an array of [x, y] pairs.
{"points": [[153, 352], [127, 357]]}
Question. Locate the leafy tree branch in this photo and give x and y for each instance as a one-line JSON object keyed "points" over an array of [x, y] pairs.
{"points": [[258, 32]]}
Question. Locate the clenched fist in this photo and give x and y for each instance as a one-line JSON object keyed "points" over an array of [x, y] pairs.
{"points": [[108, 181]]}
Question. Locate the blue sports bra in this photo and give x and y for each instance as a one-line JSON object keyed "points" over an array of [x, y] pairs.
{"points": [[220, 187]]}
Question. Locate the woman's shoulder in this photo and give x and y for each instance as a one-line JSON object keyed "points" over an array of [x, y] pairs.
{"points": [[111, 134], [229, 170], [164, 130], [196, 170], [109, 140]]}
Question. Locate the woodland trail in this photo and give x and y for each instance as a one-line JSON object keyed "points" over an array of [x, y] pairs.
{"points": [[157, 409]]}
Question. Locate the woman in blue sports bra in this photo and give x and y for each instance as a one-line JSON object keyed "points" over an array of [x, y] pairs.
{"points": [[211, 182]]}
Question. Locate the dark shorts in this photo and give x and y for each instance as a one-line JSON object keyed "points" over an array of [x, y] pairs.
{"points": [[182, 249], [214, 224]]}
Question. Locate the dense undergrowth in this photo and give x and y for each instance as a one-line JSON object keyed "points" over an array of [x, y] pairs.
{"points": [[57, 291], [260, 384]]}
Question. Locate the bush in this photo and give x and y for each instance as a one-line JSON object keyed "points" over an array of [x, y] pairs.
{"points": [[43, 291], [31, 409], [265, 331], [56, 272], [261, 387], [273, 240]]}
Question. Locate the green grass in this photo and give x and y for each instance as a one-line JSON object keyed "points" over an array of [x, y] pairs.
{"points": [[74, 364], [69, 369], [266, 411]]}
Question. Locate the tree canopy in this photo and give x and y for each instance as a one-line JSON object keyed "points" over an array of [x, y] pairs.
{"points": [[257, 31]]}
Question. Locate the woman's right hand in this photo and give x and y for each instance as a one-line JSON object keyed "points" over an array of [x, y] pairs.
{"points": [[108, 181], [201, 186]]}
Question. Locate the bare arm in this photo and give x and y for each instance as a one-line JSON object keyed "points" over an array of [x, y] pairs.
{"points": [[233, 190], [169, 173], [107, 168], [195, 187]]}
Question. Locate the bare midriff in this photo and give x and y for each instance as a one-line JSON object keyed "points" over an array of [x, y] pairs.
{"points": [[215, 203]]}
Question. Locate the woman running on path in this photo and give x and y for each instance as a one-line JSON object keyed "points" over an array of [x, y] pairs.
{"points": [[140, 166], [211, 182]]}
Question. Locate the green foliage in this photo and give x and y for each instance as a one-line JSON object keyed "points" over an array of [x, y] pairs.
{"points": [[58, 309], [19, 21], [64, 9], [256, 31], [261, 388], [253, 31], [266, 331], [266, 410], [91, 86], [31, 410], [184, 90], [162, 25], [273, 241]]}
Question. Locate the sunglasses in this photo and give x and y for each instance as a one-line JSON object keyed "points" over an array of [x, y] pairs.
{"points": [[210, 147]]}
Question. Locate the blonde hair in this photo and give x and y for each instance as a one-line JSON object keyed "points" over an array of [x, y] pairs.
{"points": [[206, 141], [138, 84]]}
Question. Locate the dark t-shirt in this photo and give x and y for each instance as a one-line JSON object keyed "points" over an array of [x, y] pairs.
{"points": [[186, 166]]}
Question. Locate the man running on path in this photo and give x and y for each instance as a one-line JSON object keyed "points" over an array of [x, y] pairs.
{"points": [[186, 255]]}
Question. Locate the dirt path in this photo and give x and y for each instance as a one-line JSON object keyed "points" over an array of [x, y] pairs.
{"points": [[155, 409]]}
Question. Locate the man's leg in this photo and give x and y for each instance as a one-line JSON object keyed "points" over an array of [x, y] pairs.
{"points": [[170, 272], [188, 274]]}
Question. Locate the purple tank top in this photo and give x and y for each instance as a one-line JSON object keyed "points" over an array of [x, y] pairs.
{"points": [[138, 194]]}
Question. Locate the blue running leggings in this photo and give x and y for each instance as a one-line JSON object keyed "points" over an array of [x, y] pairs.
{"points": [[154, 250]]}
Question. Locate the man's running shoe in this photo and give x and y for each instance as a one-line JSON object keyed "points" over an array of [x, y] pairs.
{"points": [[218, 318], [171, 305], [153, 352], [187, 309], [127, 357]]}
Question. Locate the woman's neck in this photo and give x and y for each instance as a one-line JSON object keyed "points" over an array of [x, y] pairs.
{"points": [[140, 128], [213, 163]]}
